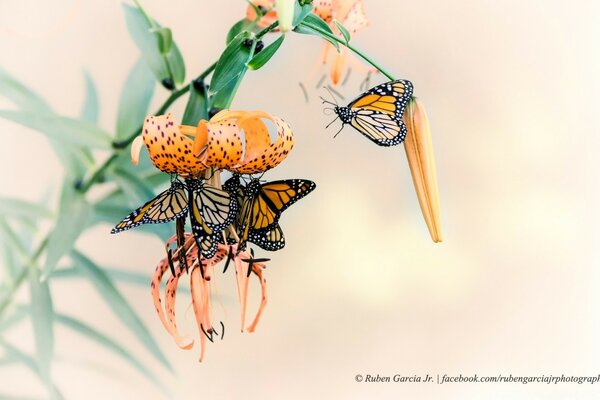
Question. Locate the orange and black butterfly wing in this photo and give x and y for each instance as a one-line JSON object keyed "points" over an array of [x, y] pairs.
{"points": [[270, 239], [167, 206], [377, 113]]}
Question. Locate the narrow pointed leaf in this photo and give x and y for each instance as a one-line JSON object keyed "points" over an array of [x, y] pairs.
{"points": [[135, 100], [18, 208], [110, 344], [63, 129], [240, 26], [343, 31], [265, 55], [313, 25], [90, 109], [23, 97], [165, 39], [230, 70], [196, 107], [300, 12], [42, 318], [118, 304], [73, 217], [142, 30]]}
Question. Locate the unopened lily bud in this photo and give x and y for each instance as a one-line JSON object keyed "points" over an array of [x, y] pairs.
{"points": [[285, 13], [419, 151]]}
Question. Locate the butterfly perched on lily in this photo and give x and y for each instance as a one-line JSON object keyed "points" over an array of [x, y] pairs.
{"points": [[377, 113], [211, 210], [253, 210]]}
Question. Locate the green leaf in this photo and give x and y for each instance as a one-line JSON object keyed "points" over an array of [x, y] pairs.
{"points": [[196, 107], [165, 40], [265, 55], [135, 100], [117, 274], [105, 341], [13, 319], [74, 215], [230, 70], [11, 207], [63, 129], [118, 304], [136, 190], [313, 25], [141, 29], [42, 318], [9, 236], [90, 109], [240, 26], [300, 12], [343, 30], [14, 353], [23, 97]]}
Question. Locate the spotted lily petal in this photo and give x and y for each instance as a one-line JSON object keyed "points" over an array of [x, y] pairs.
{"points": [[170, 150], [419, 151]]}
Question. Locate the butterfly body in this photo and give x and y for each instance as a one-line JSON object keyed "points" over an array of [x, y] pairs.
{"points": [[377, 113]]}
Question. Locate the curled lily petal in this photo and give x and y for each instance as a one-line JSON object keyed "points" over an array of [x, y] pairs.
{"points": [[324, 9], [136, 148], [255, 132], [258, 269], [419, 151], [199, 306], [224, 145], [170, 150]]}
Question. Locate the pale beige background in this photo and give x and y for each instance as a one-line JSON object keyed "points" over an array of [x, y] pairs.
{"points": [[512, 89]]}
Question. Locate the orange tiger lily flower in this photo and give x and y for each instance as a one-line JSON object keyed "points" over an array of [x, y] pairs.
{"points": [[169, 148], [268, 18], [219, 141], [419, 151], [201, 289]]}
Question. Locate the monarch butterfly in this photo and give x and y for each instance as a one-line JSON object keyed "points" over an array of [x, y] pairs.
{"points": [[377, 113], [262, 206], [167, 206], [212, 210]]}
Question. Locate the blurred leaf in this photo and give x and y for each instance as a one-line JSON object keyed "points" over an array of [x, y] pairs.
{"points": [[118, 304], [116, 274], [9, 236], [64, 129], [11, 265], [29, 362], [300, 12], [100, 338], [13, 319], [135, 100], [230, 70], [140, 28], [90, 109], [136, 190], [21, 95], [240, 26], [12, 207], [265, 55], [343, 31], [313, 25], [196, 107], [42, 318], [74, 215], [165, 39]]}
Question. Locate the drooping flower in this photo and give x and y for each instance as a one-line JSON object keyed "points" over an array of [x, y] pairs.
{"points": [[238, 141], [201, 275], [419, 152]]}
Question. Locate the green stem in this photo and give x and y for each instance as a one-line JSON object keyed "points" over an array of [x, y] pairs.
{"points": [[355, 50], [120, 145], [267, 30]]}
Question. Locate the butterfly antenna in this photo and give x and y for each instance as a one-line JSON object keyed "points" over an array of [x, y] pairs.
{"points": [[333, 91], [327, 101], [331, 94]]}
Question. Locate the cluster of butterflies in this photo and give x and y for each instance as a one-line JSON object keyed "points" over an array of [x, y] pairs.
{"points": [[237, 213], [377, 113]]}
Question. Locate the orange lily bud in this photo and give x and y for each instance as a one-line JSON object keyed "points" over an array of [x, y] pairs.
{"points": [[419, 151]]}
